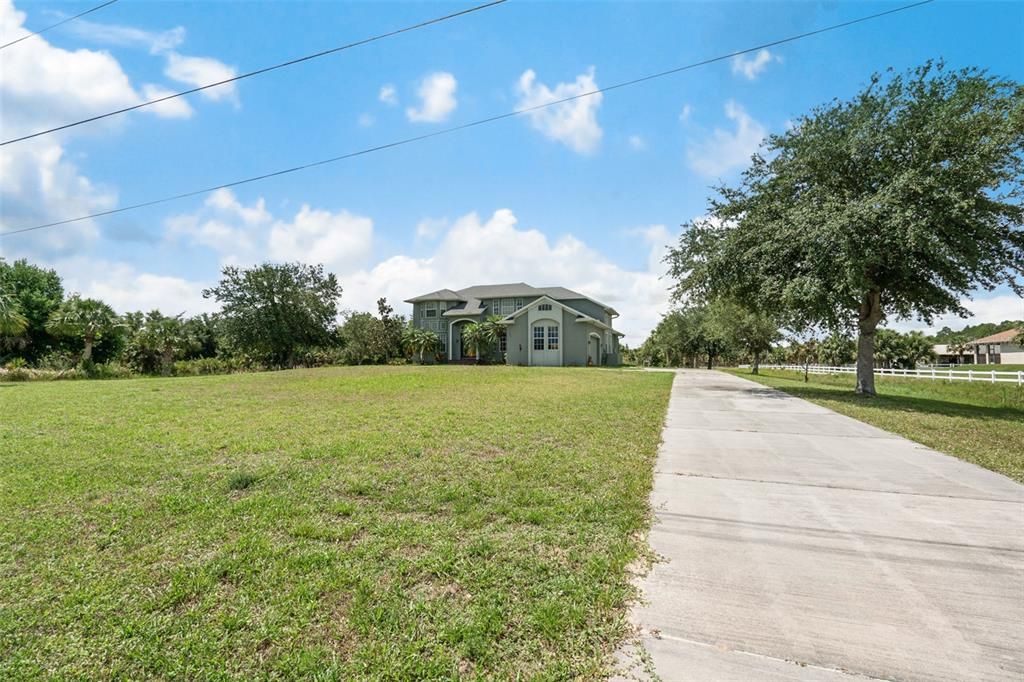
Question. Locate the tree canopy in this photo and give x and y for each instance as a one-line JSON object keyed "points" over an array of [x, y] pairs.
{"points": [[899, 202], [272, 310]]}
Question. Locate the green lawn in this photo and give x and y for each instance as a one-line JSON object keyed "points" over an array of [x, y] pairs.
{"points": [[387, 522], [979, 422]]}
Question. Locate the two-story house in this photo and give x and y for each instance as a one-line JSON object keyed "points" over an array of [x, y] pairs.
{"points": [[551, 326]]}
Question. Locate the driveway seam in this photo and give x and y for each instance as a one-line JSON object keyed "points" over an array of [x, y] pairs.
{"points": [[835, 487]]}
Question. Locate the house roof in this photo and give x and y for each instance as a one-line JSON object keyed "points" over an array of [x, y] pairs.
{"points": [[472, 306], [439, 295], [512, 290], [580, 317], [1000, 337]]}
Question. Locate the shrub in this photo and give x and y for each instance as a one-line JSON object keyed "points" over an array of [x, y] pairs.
{"points": [[205, 366]]}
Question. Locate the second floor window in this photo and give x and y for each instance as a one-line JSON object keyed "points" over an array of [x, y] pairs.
{"points": [[429, 310], [544, 306]]}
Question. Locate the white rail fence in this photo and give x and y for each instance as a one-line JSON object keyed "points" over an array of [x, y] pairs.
{"points": [[945, 374]]}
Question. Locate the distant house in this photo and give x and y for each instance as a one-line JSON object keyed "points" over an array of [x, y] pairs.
{"points": [[998, 349], [551, 326], [944, 355]]}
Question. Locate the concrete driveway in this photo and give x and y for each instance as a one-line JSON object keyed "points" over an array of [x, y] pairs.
{"points": [[800, 544]]}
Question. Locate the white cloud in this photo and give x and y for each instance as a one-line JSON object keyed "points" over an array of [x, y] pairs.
{"points": [[437, 98], [637, 143], [751, 67], [430, 228], [684, 114], [156, 42], [245, 235], [572, 123], [725, 150], [128, 289], [341, 241], [985, 308], [465, 255], [388, 95], [467, 251], [366, 120], [177, 107], [198, 71]]}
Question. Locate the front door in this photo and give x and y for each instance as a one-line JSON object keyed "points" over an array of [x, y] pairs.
{"points": [[546, 339]]}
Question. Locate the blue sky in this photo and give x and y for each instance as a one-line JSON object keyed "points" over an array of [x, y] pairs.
{"points": [[585, 195]]}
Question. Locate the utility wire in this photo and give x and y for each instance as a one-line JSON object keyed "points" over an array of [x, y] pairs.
{"points": [[464, 126], [59, 23], [257, 72]]}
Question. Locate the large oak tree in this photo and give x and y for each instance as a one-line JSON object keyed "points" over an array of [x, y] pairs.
{"points": [[272, 310], [897, 203]]}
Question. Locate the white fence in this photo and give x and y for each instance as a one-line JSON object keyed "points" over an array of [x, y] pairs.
{"points": [[985, 376]]}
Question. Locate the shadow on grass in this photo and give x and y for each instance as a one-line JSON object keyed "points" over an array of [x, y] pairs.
{"points": [[795, 386]]}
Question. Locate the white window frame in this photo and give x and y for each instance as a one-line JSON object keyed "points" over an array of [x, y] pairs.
{"points": [[549, 337], [544, 306], [539, 337], [430, 307]]}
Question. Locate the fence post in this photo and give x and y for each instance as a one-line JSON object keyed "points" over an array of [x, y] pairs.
{"points": [[1020, 378], [993, 376], [970, 376]]}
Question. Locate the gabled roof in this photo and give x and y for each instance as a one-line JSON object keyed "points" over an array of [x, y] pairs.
{"points": [[511, 290], [580, 317], [472, 306], [1000, 337], [439, 295]]}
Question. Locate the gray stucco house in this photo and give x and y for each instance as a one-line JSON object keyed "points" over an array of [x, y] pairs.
{"points": [[551, 326]]}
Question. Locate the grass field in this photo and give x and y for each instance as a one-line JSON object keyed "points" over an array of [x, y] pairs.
{"points": [[978, 422], [372, 523]]}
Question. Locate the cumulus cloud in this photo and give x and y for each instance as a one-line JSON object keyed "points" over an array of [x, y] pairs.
{"points": [[572, 123], [430, 228], [637, 143], [984, 307], [461, 254], [751, 67], [245, 235], [464, 256], [437, 98], [684, 114], [727, 150], [197, 71], [177, 107], [340, 240], [128, 289], [388, 95]]}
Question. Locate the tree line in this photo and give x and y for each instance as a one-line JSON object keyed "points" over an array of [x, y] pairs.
{"points": [[271, 316], [898, 203]]}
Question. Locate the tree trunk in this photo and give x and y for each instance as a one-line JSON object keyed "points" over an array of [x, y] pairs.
{"points": [[757, 363], [166, 359], [711, 360], [87, 351], [869, 316]]}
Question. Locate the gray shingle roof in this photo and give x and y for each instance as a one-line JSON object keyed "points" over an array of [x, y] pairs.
{"points": [[512, 290], [439, 295]]}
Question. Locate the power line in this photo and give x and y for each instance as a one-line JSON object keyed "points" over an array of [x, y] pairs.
{"points": [[62, 21], [257, 72], [464, 126]]}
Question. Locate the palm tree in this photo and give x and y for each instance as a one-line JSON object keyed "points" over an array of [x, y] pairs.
{"points": [[165, 335], [84, 318], [420, 341], [12, 322], [482, 336]]}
